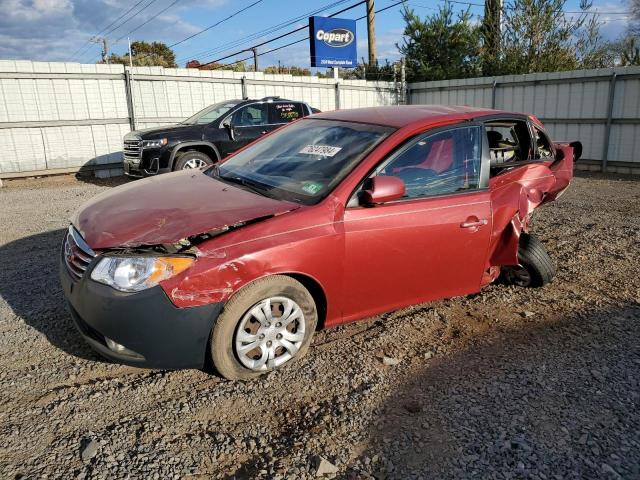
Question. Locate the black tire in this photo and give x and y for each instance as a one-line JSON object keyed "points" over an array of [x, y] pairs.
{"points": [[224, 356], [536, 267], [183, 159]]}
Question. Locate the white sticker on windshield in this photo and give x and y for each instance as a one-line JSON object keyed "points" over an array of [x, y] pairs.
{"points": [[324, 150]]}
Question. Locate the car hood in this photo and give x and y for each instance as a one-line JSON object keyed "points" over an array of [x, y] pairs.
{"points": [[165, 130], [168, 208]]}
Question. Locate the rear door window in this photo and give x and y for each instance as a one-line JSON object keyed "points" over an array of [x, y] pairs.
{"points": [[285, 112], [509, 142], [252, 115]]}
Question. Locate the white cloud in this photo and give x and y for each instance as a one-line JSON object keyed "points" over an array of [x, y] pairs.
{"points": [[52, 30]]}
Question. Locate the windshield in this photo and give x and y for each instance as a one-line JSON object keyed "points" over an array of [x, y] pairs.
{"points": [[210, 113], [304, 161]]}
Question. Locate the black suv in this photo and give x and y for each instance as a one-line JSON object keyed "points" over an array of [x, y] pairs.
{"points": [[207, 136]]}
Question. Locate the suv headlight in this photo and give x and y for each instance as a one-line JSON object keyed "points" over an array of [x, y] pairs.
{"points": [[160, 142], [132, 274]]}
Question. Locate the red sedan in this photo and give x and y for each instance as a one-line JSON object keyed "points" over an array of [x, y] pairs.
{"points": [[336, 217]]}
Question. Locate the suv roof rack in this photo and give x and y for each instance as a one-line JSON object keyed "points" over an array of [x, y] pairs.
{"points": [[273, 97]]}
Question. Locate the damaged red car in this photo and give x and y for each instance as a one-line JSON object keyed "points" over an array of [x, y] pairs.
{"points": [[336, 217]]}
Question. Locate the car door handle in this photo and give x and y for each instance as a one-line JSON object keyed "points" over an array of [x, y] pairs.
{"points": [[469, 223]]}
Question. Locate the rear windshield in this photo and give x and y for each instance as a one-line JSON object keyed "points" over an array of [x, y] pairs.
{"points": [[302, 162]]}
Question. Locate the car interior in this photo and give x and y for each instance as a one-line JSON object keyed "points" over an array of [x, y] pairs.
{"points": [[441, 163], [509, 143], [249, 116]]}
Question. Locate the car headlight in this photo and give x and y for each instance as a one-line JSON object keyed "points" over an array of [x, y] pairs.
{"points": [[157, 143], [132, 274]]}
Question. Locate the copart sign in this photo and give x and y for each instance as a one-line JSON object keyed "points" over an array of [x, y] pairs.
{"points": [[332, 42]]}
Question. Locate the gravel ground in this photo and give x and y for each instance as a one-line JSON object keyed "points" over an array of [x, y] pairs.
{"points": [[509, 383]]}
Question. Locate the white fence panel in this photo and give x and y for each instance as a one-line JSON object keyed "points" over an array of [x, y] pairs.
{"points": [[574, 105], [63, 116], [60, 115]]}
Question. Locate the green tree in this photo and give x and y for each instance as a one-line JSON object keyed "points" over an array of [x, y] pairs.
{"points": [[626, 51], [146, 55], [439, 47], [240, 66], [375, 72], [634, 10], [540, 37], [591, 49], [296, 71]]}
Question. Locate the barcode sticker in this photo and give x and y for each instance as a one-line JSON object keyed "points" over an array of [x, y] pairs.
{"points": [[324, 150]]}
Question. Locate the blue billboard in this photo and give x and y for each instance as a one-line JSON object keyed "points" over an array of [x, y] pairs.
{"points": [[332, 42]]}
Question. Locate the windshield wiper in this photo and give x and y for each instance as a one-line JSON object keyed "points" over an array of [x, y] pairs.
{"points": [[253, 186]]}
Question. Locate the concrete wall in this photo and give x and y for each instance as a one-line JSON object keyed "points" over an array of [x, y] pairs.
{"points": [[585, 105], [57, 117]]}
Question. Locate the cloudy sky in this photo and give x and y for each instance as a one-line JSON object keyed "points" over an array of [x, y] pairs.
{"points": [[59, 30]]}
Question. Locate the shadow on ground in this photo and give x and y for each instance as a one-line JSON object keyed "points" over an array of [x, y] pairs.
{"points": [[555, 399], [549, 399], [89, 177], [29, 284]]}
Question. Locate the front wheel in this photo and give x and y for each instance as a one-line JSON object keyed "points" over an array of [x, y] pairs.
{"points": [[192, 159], [535, 268], [267, 324]]}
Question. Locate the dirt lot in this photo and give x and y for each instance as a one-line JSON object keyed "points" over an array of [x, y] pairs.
{"points": [[510, 383]]}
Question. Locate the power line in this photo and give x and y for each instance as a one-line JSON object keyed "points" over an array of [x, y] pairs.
{"points": [[284, 34], [134, 15], [217, 23], [305, 38], [210, 26], [144, 7], [88, 42], [264, 32], [148, 20]]}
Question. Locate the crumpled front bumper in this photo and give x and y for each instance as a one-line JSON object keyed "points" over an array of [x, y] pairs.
{"points": [[147, 323]]}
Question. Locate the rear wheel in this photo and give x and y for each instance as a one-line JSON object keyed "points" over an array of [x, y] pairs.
{"points": [[265, 326], [192, 159], [535, 268]]}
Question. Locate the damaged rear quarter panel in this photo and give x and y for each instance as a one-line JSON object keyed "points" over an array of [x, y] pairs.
{"points": [[516, 194]]}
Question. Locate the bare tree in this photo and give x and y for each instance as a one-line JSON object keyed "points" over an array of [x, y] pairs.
{"points": [[634, 9]]}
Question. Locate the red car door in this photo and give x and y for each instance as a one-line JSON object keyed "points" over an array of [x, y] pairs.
{"points": [[431, 244]]}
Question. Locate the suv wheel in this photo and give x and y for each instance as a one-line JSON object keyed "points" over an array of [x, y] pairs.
{"points": [[266, 325], [192, 159]]}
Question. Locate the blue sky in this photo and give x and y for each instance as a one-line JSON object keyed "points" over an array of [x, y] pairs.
{"points": [[58, 30]]}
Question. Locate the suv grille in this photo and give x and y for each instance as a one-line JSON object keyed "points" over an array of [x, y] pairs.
{"points": [[77, 254], [132, 150]]}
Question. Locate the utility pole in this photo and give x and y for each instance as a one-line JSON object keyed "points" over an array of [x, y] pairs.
{"points": [[371, 31], [105, 47], [403, 82], [255, 59], [130, 56]]}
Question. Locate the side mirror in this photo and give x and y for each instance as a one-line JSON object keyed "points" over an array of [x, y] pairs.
{"points": [[577, 150], [383, 189], [227, 124]]}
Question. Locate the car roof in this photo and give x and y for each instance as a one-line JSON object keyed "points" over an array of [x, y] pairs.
{"points": [[271, 99], [402, 115]]}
